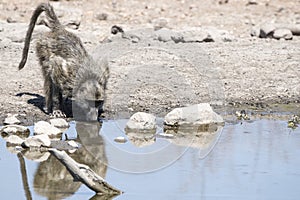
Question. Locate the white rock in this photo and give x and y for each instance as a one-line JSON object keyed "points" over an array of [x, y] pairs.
{"points": [[165, 135], [267, 30], [160, 23], [120, 139], [37, 141], [283, 33], [194, 34], [218, 35], [11, 119], [43, 127], [255, 31], [195, 114], [74, 144], [166, 35], [36, 155], [14, 140], [15, 130], [59, 123], [141, 121], [72, 150]]}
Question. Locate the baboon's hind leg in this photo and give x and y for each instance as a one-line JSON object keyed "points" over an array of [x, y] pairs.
{"points": [[48, 89]]}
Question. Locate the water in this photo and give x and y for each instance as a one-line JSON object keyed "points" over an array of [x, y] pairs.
{"points": [[253, 160]]}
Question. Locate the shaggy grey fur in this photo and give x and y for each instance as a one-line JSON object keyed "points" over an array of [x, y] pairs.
{"points": [[68, 70]]}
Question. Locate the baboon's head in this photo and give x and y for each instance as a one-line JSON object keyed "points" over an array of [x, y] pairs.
{"points": [[90, 90], [88, 101]]}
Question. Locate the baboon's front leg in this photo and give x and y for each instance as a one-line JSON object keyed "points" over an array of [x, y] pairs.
{"points": [[58, 104]]}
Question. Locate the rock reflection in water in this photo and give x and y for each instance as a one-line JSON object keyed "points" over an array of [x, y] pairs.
{"points": [[201, 137], [52, 179], [141, 138], [155, 151], [196, 136]]}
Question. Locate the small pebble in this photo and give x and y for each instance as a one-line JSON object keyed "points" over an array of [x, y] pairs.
{"points": [[102, 16], [165, 135], [120, 139], [74, 144], [10, 20], [252, 2], [18, 148]]}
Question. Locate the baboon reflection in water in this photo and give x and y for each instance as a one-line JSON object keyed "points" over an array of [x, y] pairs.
{"points": [[52, 178]]}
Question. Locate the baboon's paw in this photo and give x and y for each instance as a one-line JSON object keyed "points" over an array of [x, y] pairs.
{"points": [[57, 114]]}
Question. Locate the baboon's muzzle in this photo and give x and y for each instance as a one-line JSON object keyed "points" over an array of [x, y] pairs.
{"points": [[87, 110]]}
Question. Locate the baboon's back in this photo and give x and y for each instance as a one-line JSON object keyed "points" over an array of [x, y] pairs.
{"points": [[60, 53]]}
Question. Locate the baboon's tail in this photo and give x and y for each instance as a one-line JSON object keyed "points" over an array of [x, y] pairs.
{"points": [[106, 72], [53, 23]]}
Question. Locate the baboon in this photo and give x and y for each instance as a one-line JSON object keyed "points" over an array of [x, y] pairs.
{"points": [[68, 70]]}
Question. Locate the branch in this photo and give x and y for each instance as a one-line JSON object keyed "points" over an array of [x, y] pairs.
{"points": [[84, 174]]}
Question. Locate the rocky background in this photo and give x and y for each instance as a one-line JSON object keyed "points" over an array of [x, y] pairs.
{"points": [[173, 53]]}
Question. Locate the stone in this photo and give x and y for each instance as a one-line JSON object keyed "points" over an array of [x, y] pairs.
{"points": [[223, 1], [194, 115], [73, 144], [36, 155], [255, 31], [166, 35], [159, 23], [59, 123], [11, 119], [193, 34], [165, 135], [42, 140], [217, 35], [252, 2], [43, 127], [101, 16], [14, 140], [267, 30], [141, 121], [11, 20], [283, 33], [120, 139], [19, 130], [202, 34]]}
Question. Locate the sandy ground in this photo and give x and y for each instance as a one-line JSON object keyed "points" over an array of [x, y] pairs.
{"points": [[156, 76]]}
